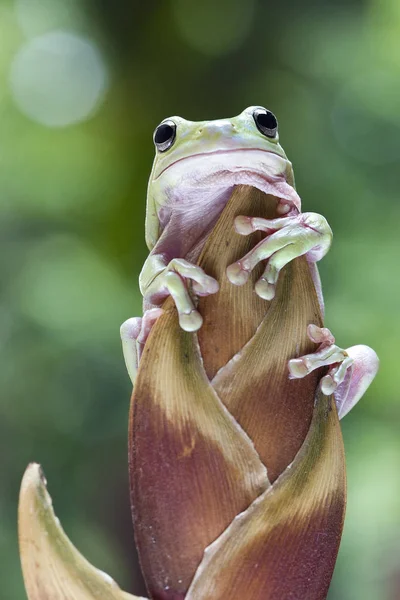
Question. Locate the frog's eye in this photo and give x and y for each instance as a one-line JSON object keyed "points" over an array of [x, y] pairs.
{"points": [[266, 122], [164, 135]]}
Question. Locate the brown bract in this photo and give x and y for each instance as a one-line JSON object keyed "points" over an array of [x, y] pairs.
{"points": [[285, 544], [215, 420]]}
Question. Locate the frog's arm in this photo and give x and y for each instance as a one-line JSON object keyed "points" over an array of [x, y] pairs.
{"points": [[288, 238], [162, 277]]}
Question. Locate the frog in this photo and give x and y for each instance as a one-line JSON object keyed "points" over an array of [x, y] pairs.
{"points": [[196, 167]]}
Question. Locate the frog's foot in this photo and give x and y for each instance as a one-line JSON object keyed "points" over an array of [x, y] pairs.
{"points": [[134, 333], [287, 238], [350, 371], [327, 354], [175, 280]]}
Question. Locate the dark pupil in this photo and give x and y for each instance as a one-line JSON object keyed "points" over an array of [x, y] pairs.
{"points": [[163, 134], [266, 120]]}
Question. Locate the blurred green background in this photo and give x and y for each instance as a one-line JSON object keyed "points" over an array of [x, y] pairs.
{"points": [[82, 86]]}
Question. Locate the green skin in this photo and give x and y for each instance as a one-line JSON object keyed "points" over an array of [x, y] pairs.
{"points": [[193, 176]]}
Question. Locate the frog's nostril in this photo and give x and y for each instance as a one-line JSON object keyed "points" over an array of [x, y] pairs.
{"points": [[220, 127]]}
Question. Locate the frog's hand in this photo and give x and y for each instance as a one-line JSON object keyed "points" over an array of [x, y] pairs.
{"points": [[160, 279], [134, 333], [288, 238], [350, 372]]}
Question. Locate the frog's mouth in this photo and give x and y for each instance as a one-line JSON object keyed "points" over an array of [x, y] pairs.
{"points": [[198, 177], [221, 151]]}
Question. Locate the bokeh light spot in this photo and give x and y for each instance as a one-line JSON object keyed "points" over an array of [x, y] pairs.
{"points": [[58, 79], [214, 28]]}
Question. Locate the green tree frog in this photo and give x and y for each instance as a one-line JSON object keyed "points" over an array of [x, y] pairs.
{"points": [[196, 167]]}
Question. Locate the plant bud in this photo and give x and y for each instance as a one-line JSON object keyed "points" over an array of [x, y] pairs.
{"points": [[237, 472]]}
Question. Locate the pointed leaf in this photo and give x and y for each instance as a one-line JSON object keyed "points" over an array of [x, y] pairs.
{"points": [[192, 468], [232, 316], [285, 544], [273, 410], [276, 411], [53, 568]]}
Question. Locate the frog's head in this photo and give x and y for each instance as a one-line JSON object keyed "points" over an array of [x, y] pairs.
{"points": [[198, 163]]}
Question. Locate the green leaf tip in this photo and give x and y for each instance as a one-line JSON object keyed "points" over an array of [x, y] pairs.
{"points": [[52, 567]]}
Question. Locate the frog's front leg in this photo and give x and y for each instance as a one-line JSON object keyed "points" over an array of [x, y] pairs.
{"points": [[134, 333], [288, 238], [161, 278], [350, 372]]}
